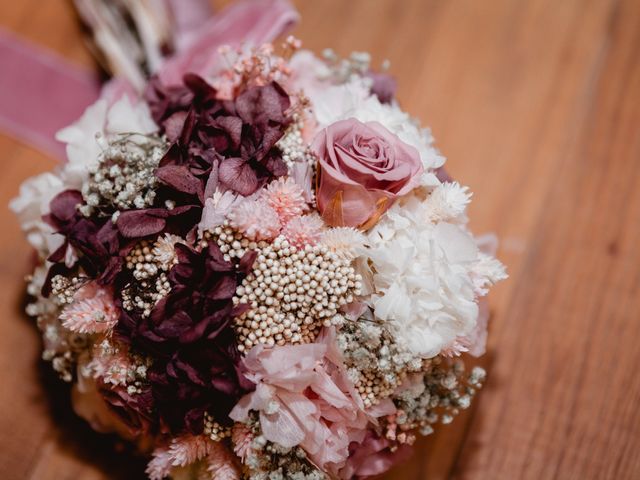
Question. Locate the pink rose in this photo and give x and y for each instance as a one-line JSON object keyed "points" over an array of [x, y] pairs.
{"points": [[363, 168]]}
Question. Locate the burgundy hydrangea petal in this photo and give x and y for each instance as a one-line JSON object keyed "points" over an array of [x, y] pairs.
{"points": [[136, 411], [260, 105], [174, 125], [194, 333], [187, 128], [189, 335], [216, 260], [232, 126], [139, 224], [247, 261], [225, 289], [443, 175], [64, 206], [215, 132], [194, 420], [180, 178], [200, 88], [59, 254], [237, 175], [191, 373], [174, 326]]}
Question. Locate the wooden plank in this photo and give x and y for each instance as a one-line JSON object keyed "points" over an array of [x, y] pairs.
{"points": [[560, 402]]}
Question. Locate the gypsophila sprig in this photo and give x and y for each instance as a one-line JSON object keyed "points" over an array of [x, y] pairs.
{"points": [[258, 268]]}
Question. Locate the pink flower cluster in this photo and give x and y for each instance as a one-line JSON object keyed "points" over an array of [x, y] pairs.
{"points": [[278, 209], [304, 398]]}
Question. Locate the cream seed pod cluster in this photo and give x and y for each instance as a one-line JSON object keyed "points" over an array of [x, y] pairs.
{"points": [[293, 293], [259, 269]]}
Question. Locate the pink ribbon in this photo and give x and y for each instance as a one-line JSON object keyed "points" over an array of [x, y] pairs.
{"points": [[40, 92], [250, 22]]}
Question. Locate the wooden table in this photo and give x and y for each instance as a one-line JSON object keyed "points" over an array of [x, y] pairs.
{"points": [[537, 106]]}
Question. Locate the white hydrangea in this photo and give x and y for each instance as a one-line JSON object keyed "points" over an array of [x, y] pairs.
{"points": [[89, 136], [427, 274], [85, 140], [31, 204]]}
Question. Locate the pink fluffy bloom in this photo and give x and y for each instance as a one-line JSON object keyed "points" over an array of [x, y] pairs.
{"points": [[256, 219], [305, 230], [221, 463], [286, 197], [160, 465], [92, 310], [181, 452], [241, 438], [303, 397]]}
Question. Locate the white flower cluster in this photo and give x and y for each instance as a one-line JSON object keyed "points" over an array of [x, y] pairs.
{"points": [[427, 270]]}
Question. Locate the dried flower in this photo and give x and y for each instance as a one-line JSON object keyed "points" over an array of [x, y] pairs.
{"points": [[286, 198], [256, 219], [92, 311], [304, 230]]}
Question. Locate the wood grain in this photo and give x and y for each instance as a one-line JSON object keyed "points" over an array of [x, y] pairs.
{"points": [[537, 106]]}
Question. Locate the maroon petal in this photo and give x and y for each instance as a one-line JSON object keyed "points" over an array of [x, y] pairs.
{"points": [[180, 178], [174, 124], [238, 175], [247, 260], [138, 224], [224, 289], [233, 127], [65, 205]]}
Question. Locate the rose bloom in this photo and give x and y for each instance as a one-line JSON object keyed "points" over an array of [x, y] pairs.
{"points": [[363, 168]]}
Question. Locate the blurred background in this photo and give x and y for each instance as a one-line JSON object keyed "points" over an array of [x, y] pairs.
{"points": [[536, 105]]}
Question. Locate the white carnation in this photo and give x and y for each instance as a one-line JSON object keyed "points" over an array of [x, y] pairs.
{"points": [[426, 277]]}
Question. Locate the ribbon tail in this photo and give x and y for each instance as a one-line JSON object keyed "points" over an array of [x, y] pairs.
{"points": [[40, 93], [250, 22]]}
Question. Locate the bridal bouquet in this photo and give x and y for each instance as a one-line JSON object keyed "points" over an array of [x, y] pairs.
{"points": [[259, 270]]}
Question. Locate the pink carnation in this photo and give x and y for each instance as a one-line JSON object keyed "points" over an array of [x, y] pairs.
{"points": [[256, 219], [305, 230], [304, 398], [286, 197], [92, 310]]}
